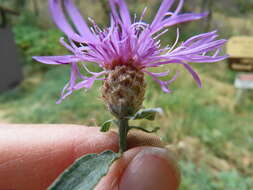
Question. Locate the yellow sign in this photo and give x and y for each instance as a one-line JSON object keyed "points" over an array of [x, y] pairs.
{"points": [[240, 47]]}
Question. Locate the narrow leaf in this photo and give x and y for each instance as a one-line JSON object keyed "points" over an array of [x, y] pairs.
{"points": [[145, 130], [148, 114], [106, 126], [85, 173]]}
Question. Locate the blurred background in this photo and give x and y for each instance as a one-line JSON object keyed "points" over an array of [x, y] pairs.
{"points": [[210, 129]]}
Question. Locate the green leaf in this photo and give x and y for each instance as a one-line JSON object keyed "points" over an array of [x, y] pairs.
{"points": [[148, 114], [106, 125], [145, 130], [85, 173]]}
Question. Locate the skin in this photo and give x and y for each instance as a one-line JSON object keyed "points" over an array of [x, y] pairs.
{"points": [[32, 156]]}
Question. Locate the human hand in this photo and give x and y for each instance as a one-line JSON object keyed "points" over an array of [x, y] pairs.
{"points": [[32, 156]]}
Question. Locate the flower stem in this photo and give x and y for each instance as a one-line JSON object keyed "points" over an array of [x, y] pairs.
{"points": [[123, 129]]}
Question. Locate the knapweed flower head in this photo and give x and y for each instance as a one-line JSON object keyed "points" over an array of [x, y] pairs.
{"points": [[126, 49]]}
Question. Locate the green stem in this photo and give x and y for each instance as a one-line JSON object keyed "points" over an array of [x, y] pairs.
{"points": [[123, 129]]}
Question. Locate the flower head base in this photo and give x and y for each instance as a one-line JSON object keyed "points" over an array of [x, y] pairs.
{"points": [[123, 91], [127, 45]]}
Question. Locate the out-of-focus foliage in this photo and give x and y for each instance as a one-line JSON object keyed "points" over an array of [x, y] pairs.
{"points": [[34, 40], [244, 6], [202, 179], [14, 4]]}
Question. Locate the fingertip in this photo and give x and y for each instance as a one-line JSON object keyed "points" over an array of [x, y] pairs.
{"points": [[138, 138], [152, 168], [143, 168]]}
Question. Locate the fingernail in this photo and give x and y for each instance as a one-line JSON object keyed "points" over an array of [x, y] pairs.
{"points": [[151, 169]]}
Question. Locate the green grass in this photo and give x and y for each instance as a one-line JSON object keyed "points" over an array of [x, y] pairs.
{"points": [[81, 108], [202, 178]]}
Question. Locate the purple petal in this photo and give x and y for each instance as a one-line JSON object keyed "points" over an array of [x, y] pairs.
{"points": [[183, 18], [187, 66], [201, 59], [165, 88], [163, 84], [163, 74], [85, 84], [73, 76], [89, 81], [179, 7], [69, 87], [171, 21], [200, 49], [56, 60], [124, 12], [193, 73], [61, 21], [64, 96], [165, 6], [67, 46], [199, 37], [73, 84], [77, 19], [159, 63]]}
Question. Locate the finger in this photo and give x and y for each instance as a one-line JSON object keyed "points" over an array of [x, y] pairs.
{"points": [[32, 156], [143, 168], [139, 138]]}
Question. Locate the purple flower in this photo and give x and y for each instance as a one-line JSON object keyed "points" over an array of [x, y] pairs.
{"points": [[127, 41]]}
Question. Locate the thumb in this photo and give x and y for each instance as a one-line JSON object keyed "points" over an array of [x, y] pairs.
{"points": [[143, 168]]}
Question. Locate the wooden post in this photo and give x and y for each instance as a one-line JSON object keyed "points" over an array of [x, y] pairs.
{"points": [[10, 72]]}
